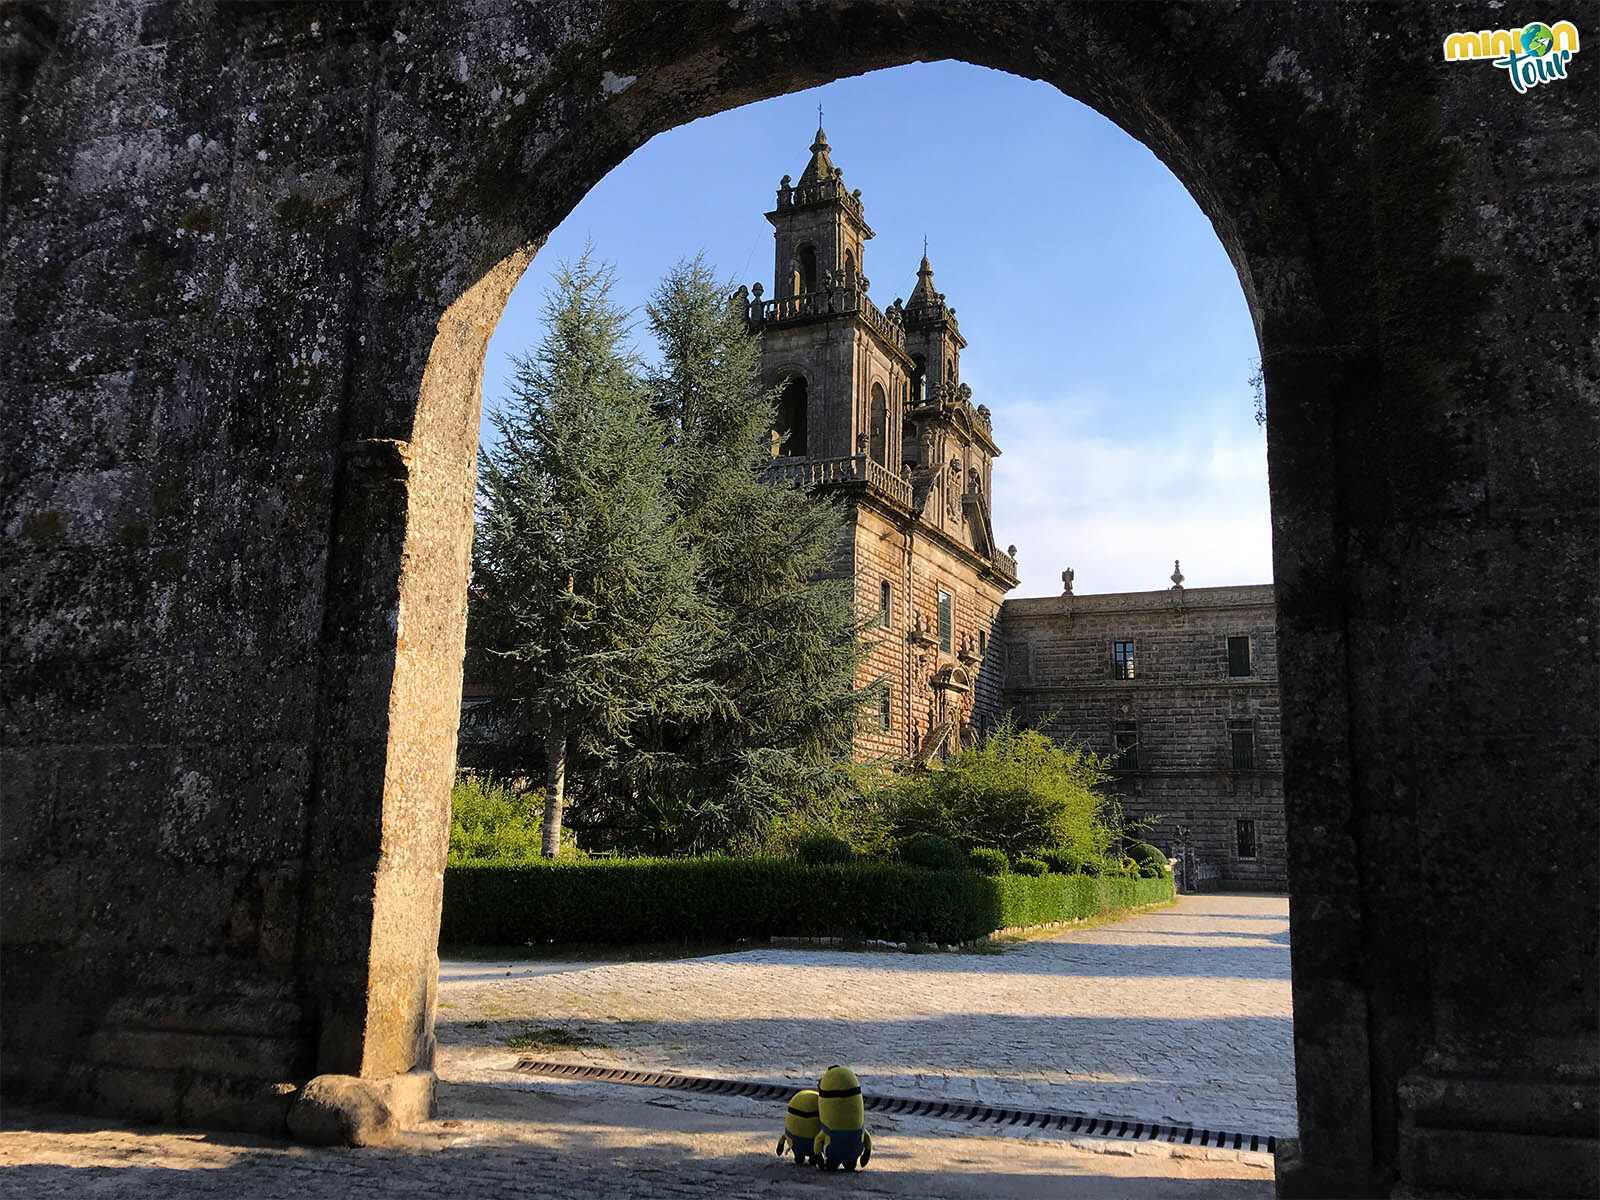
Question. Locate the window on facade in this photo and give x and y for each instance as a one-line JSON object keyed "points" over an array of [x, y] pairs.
{"points": [[884, 596], [1122, 660], [1242, 737], [1125, 741], [879, 443], [792, 417], [1246, 831], [947, 621], [885, 709], [849, 265], [1239, 655], [983, 641], [919, 375]]}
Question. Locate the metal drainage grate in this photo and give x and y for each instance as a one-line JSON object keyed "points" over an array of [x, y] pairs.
{"points": [[1062, 1122]]}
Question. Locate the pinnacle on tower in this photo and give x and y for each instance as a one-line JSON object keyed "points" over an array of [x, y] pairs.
{"points": [[923, 294], [821, 166]]}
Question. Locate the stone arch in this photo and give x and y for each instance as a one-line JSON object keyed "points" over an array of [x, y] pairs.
{"points": [[805, 278], [1344, 177], [794, 415], [878, 425]]}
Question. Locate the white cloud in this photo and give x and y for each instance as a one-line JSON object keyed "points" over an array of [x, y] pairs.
{"points": [[1117, 493]]}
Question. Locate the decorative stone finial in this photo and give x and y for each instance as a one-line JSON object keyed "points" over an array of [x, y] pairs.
{"points": [[1177, 574], [1066, 581], [862, 441], [1012, 551]]}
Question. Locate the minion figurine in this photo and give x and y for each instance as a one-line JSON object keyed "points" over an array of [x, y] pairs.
{"points": [[842, 1138], [800, 1125]]}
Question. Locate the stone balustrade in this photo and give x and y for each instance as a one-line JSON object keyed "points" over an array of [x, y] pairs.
{"points": [[854, 468], [848, 297]]}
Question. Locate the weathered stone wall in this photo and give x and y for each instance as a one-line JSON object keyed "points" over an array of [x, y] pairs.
{"points": [[888, 547], [1181, 704], [252, 257]]}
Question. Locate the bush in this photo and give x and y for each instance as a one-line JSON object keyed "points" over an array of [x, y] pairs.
{"points": [[723, 899], [987, 861], [1152, 862], [1063, 861], [1030, 866], [491, 823], [821, 848], [1018, 792], [932, 852]]}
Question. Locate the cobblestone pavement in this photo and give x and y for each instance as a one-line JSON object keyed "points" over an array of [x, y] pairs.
{"points": [[1180, 1016], [546, 1141]]}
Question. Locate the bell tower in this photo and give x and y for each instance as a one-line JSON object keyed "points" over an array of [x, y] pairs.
{"points": [[870, 410], [819, 227], [933, 338]]}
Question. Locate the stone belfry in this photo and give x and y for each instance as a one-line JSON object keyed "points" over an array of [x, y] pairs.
{"points": [[871, 408]]}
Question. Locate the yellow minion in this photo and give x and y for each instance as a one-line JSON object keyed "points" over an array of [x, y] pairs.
{"points": [[842, 1139], [800, 1125]]}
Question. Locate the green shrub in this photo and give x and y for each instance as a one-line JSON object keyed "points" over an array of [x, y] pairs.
{"points": [[1063, 861], [491, 823], [1152, 862], [821, 848], [988, 861], [1029, 866], [933, 852], [1017, 792], [723, 899]]}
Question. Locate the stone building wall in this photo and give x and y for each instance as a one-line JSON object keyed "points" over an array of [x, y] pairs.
{"points": [[1181, 704], [917, 566]]}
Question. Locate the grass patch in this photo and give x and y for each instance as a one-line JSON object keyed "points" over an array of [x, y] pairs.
{"points": [[553, 1037]]}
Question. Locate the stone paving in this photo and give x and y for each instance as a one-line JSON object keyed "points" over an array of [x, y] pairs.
{"points": [[549, 1141], [1181, 1015]]}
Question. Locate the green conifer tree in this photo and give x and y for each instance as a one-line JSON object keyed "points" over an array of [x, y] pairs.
{"points": [[783, 645], [584, 591]]}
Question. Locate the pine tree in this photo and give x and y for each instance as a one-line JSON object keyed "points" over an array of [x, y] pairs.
{"points": [[584, 590], [783, 646]]}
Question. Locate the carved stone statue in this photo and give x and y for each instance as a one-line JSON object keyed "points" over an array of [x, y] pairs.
{"points": [[1066, 581]]}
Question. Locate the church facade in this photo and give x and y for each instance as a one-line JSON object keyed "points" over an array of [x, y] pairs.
{"points": [[872, 409], [1178, 687]]}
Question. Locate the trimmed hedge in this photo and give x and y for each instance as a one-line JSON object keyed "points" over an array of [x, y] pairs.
{"points": [[725, 899]]}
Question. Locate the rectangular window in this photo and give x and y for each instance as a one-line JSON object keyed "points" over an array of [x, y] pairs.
{"points": [[1244, 748], [885, 709], [1247, 838], [1122, 660], [1239, 655], [1125, 741], [947, 621], [983, 641], [883, 603]]}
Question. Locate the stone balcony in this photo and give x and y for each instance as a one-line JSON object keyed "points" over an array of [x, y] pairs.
{"points": [[849, 297], [856, 469]]}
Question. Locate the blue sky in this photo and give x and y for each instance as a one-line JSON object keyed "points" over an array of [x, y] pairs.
{"points": [[1107, 330]]}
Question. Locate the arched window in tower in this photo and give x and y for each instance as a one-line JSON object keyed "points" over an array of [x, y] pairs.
{"points": [[919, 373], [792, 417], [849, 265], [808, 269], [879, 427]]}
